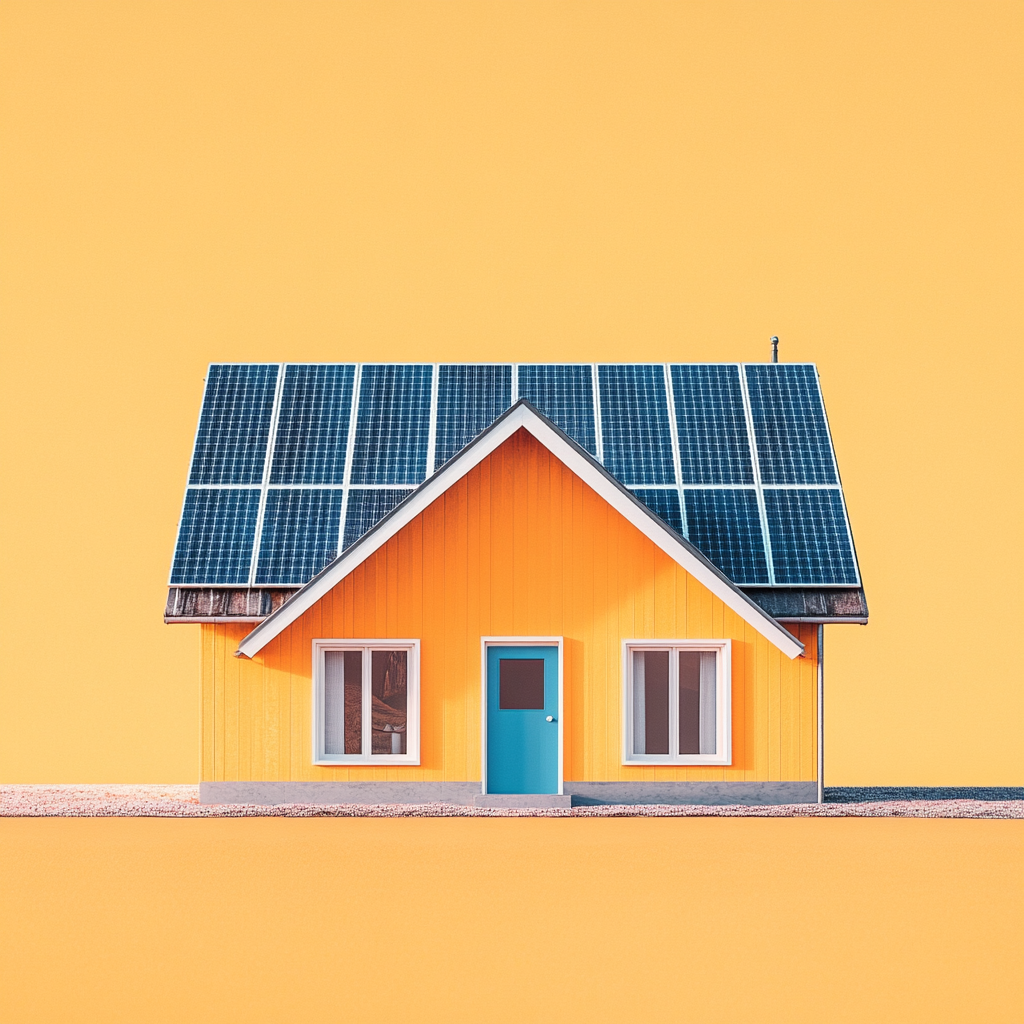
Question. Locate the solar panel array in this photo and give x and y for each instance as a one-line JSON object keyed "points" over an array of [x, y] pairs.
{"points": [[293, 463]]}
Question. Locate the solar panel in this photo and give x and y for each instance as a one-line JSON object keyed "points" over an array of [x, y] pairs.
{"points": [[368, 507], [810, 542], [300, 534], [635, 427], [565, 394], [722, 506], [393, 424], [664, 503], [215, 536], [726, 526], [469, 400], [231, 443], [712, 427], [312, 426], [793, 444]]}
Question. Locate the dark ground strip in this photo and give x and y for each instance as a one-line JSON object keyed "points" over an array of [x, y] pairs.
{"points": [[874, 794]]}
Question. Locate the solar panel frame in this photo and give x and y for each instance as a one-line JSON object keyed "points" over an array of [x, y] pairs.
{"points": [[316, 399], [637, 450], [578, 422], [787, 536], [247, 470], [711, 426], [794, 442], [755, 465], [349, 451], [677, 467], [404, 453], [265, 479], [237, 508], [431, 464], [598, 427], [470, 397], [729, 535], [294, 546]]}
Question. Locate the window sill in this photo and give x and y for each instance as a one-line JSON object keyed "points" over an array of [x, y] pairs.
{"points": [[378, 760], [695, 761]]}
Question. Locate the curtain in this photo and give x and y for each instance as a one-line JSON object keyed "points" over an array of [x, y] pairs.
{"points": [[334, 702], [708, 699], [639, 704]]}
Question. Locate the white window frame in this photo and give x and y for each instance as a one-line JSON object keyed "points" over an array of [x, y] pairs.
{"points": [[723, 702], [412, 734]]}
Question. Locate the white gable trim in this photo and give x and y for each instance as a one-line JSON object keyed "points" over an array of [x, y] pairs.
{"points": [[524, 416]]}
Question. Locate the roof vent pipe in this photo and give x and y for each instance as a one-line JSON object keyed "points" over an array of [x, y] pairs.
{"points": [[775, 349]]}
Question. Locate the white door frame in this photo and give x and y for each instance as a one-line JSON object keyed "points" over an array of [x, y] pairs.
{"points": [[518, 641]]}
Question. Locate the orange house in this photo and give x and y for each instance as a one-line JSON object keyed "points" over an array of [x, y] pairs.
{"points": [[521, 628]]}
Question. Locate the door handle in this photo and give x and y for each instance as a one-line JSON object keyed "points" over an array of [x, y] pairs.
{"points": [[550, 718]]}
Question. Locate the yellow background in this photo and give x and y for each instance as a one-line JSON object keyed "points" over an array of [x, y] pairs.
{"points": [[456, 921], [189, 182], [184, 182]]}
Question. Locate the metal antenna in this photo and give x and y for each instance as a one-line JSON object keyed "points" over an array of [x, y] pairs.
{"points": [[775, 349]]}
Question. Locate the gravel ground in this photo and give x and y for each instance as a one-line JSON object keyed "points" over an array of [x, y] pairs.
{"points": [[183, 802]]}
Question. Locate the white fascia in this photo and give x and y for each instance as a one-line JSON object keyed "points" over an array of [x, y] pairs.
{"points": [[524, 417]]}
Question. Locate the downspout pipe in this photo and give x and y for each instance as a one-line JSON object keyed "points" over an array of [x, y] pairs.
{"points": [[821, 712]]}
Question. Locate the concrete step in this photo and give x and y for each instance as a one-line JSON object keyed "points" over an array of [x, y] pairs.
{"points": [[522, 800]]}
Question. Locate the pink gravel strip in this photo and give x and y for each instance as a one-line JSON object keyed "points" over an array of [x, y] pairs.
{"points": [[121, 801]]}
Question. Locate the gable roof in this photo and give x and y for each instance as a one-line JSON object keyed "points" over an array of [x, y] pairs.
{"points": [[524, 416]]}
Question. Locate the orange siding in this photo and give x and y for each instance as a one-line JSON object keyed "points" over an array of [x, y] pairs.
{"points": [[519, 547]]}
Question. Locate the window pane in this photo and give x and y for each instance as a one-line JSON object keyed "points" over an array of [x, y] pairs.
{"points": [[698, 696], [708, 702], [650, 702], [689, 702], [521, 684], [390, 688], [343, 702]]}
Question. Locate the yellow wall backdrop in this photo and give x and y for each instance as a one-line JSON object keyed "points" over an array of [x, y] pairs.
{"points": [[187, 182]]}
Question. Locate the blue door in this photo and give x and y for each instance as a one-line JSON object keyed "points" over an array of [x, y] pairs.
{"points": [[522, 720]]}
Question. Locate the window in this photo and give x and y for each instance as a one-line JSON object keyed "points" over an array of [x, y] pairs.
{"points": [[366, 707], [677, 702]]}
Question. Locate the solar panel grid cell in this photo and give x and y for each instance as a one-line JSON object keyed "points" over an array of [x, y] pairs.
{"points": [[810, 542], [565, 394], [664, 503], [312, 426], [300, 534], [635, 425], [393, 424], [367, 507], [793, 444], [726, 526], [713, 443], [215, 536], [234, 426], [469, 400]]}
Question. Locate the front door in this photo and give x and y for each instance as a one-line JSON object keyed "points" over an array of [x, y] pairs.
{"points": [[522, 719]]}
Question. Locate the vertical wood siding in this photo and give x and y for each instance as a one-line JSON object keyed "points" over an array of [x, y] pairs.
{"points": [[521, 546]]}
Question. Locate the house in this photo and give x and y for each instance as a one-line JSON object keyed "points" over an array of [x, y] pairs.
{"points": [[511, 584]]}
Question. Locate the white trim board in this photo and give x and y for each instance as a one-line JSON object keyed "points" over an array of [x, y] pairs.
{"points": [[523, 416]]}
